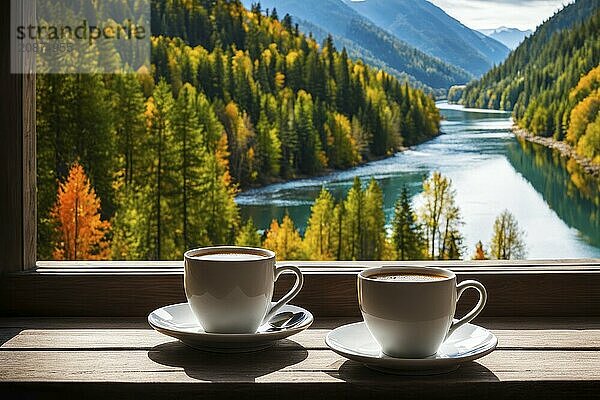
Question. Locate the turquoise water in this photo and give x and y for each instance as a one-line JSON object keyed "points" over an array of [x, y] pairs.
{"points": [[491, 171]]}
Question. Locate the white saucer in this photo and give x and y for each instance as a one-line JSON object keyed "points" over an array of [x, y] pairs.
{"points": [[178, 321], [467, 343]]}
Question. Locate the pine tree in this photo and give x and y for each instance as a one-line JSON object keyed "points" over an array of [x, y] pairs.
{"points": [[159, 126], [248, 235], [80, 232], [373, 225], [268, 148], [338, 227], [353, 232], [129, 124], [342, 149], [132, 225], [310, 155], [240, 138], [221, 211], [318, 239], [189, 157], [407, 236]]}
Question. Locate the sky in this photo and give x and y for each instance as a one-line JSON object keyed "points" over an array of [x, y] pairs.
{"points": [[485, 14]]}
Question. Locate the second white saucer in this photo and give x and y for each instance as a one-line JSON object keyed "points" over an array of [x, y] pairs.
{"points": [[467, 343], [178, 321]]}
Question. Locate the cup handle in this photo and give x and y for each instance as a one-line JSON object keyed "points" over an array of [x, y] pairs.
{"points": [[291, 294], [460, 288]]}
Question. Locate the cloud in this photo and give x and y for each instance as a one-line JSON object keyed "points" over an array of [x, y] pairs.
{"points": [[522, 14]]}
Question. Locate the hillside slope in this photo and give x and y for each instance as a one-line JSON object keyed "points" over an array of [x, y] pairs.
{"points": [[544, 80], [428, 28], [364, 39]]}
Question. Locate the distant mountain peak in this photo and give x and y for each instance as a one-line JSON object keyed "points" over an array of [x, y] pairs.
{"points": [[430, 29], [510, 37]]}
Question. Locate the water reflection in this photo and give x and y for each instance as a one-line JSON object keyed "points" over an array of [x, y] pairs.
{"points": [[555, 204], [572, 194]]}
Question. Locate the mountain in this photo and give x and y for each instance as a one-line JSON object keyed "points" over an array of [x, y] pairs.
{"points": [[428, 28], [510, 37], [551, 81], [364, 40]]}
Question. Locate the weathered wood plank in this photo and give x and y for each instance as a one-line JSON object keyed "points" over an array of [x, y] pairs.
{"points": [[100, 358], [18, 333], [145, 338], [173, 362], [518, 323]]}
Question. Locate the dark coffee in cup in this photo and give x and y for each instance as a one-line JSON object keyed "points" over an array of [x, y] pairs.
{"points": [[397, 277]]}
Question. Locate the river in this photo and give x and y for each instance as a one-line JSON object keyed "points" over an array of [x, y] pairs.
{"points": [[556, 205]]}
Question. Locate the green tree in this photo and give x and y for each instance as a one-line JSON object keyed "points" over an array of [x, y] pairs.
{"points": [[508, 239], [342, 149], [188, 158], [220, 210], [248, 235], [129, 124], [407, 236], [373, 223], [310, 155], [318, 239], [352, 230], [268, 147], [159, 110]]}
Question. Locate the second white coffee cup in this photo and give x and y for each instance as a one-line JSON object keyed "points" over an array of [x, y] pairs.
{"points": [[409, 311], [230, 288]]}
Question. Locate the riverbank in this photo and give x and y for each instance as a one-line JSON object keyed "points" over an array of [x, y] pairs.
{"points": [[328, 171], [491, 170], [565, 149]]}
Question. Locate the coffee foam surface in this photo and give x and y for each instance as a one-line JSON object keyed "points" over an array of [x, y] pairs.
{"points": [[229, 257], [399, 277]]}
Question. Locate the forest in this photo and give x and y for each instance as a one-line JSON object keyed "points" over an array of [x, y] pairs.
{"points": [[365, 40], [551, 81], [352, 228], [146, 165]]}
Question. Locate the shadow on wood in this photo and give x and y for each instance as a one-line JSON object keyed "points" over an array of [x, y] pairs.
{"points": [[221, 367], [7, 334]]}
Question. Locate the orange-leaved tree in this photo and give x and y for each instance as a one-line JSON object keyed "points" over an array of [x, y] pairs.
{"points": [[80, 232]]}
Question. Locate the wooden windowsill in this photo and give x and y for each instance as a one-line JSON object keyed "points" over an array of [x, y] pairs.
{"points": [[124, 358], [565, 288]]}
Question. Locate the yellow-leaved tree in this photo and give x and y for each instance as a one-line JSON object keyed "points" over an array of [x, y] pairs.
{"points": [[284, 240], [80, 232]]}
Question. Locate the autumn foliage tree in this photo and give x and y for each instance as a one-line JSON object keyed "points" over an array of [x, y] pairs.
{"points": [[284, 240], [80, 232], [480, 253]]}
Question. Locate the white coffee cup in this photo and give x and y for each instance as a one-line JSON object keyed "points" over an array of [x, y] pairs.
{"points": [[410, 310], [230, 288]]}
